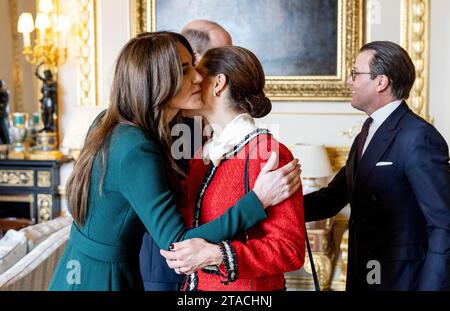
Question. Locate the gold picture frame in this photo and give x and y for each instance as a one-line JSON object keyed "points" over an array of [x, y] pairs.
{"points": [[415, 38], [297, 88]]}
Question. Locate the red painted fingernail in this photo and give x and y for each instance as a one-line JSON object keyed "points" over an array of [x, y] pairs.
{"points": [[171, 246]]}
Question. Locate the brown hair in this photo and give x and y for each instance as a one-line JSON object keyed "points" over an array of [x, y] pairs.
{"points": [[147, 75], [392, 60], [245, 78]]}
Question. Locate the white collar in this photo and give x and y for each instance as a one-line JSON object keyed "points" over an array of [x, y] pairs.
{"points": [[380, 115], [233, 133]]}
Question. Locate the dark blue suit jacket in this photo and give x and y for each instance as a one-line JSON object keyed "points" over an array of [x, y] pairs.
{"points": [[400, 213], [156, 275]]}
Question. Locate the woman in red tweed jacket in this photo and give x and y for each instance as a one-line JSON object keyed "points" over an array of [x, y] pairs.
{"points": [[232, 92]]}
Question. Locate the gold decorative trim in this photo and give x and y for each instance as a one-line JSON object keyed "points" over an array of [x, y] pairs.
{"points": [[352, 131], [17, 178], [17, 102], [416, 40], [338, 283], [305, 88], [338, 156], [17, 198], [44, 204], [304, 280], [88, 37], [140, 16], [323, 267], [98, 53], [319, 238], [44, 179], [329, 88]]}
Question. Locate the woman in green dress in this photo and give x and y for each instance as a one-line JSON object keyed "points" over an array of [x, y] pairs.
{"points": [[125, 180]]}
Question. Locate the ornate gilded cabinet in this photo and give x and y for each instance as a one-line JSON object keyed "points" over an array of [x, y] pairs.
{"points": [[29, 189], [328, 239]]}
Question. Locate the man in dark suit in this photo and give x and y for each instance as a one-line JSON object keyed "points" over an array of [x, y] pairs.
{"points": [[397, 181]]}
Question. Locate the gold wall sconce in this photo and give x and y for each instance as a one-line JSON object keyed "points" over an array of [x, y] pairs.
{"points": [[48, 52], [50, 45]]}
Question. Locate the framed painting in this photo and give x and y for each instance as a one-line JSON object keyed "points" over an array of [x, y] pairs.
{"points": [[307, 47]]}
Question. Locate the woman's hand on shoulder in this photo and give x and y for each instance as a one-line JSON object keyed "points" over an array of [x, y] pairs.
{"points": [[274, 186], [191, 255]]}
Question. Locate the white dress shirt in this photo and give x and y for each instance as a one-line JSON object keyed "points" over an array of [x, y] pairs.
{"points": [[379, 116]]}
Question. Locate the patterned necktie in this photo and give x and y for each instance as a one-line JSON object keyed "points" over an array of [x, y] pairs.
{"points": [[362, 138]]}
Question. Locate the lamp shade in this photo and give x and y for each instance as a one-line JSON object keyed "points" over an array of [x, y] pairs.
{"points": [[25, 24], [42, 21], [45, 6], [314, 160]]}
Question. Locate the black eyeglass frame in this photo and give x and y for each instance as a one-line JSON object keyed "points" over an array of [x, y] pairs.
{"points": [[354, 73]]}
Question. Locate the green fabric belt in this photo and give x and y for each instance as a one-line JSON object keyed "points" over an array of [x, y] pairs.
{"points": [[101, 251]]}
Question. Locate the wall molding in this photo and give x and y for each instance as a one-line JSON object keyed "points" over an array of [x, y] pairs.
{"points": [[415, 38], [17, 103], [330, 88], [141, 16], [415, 24], [88, 51]]}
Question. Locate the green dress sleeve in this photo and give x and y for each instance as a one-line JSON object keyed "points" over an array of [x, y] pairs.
{"points": [[143, 183]]}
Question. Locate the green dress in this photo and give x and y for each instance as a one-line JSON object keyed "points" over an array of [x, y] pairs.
{"points": [[104, 253]]}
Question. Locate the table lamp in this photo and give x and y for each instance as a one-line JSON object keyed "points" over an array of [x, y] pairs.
{"points": [[315, 164]]}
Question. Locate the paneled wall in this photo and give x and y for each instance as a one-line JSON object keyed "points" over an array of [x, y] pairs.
{"points": [[328, 123], [110, 23], [440, 66], [308, 122]]}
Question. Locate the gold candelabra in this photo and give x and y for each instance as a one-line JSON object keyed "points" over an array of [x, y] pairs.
{"points": [[51, 35], [48, 52]]}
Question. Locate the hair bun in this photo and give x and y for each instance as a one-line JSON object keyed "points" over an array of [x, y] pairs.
{"points": [[259, 104]]}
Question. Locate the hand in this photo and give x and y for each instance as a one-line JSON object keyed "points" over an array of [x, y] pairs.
{"points": [[191, 255], [273, 187]]}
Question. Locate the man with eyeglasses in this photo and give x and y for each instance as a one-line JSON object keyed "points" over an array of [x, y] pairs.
{"points": [[396, 179]]}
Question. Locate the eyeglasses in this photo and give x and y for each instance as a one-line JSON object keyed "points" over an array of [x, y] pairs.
{"points": [[354, 73]]}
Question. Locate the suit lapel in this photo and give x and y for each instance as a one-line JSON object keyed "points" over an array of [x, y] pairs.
{"points": [[379, 144]]}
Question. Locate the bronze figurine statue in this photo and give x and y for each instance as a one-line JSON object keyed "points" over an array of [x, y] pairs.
{"points": [[48, 101], [4, 111]]}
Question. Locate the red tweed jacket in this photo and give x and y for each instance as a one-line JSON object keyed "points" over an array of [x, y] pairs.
{"points": [[255, 260]]}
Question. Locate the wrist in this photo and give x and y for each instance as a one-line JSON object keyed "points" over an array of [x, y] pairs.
{"points": [[215, 257], [261, 198]]}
